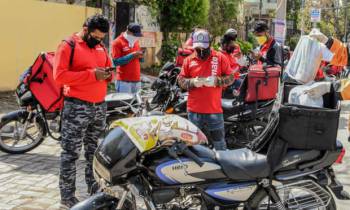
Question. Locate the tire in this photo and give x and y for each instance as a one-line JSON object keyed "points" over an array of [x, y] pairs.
{"points": [[10, 131], [261, 195]]}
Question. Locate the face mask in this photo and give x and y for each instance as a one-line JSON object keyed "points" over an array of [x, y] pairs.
{"points": [[261, 39], [230, 49], [131, 39], [203, 54], [91, 41]]}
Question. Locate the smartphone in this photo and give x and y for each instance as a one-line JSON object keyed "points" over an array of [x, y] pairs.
{"points": [[110, 69]]}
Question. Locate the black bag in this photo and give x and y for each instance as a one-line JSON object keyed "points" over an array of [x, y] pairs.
{"points": [[305, 127]]}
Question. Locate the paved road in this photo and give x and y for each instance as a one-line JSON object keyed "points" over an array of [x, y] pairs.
{"points": [[30, 181]]}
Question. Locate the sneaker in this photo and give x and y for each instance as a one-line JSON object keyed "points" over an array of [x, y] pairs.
{"points": [[69, 202]]}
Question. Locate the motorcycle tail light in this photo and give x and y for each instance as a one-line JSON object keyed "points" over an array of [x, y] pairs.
{"points": [[170, 110], [341, 156]]}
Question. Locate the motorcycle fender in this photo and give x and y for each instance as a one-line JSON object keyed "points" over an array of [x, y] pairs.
{"points": [[98, 201], [18, 114]]}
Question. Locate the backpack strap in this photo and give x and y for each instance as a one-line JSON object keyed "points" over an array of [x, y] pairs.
{"points": [[70, 41]]}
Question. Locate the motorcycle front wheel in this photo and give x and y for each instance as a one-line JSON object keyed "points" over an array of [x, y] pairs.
{"points": [[18, 136]]}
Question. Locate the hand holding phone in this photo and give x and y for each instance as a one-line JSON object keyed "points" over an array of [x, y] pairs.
{"points": [[110, 69]]}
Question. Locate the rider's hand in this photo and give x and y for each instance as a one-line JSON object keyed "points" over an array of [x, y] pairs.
{"points": [[210, 81], [197, 82], [138, 54], [317, 34], [318, 89], [256, 56], [101, 74]]}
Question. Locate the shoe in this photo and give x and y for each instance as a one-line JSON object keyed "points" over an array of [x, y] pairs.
{"points": [[69, 202]]}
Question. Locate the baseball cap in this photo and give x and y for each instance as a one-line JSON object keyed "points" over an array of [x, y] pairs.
{"points": [[135, 29], [201, 39]]}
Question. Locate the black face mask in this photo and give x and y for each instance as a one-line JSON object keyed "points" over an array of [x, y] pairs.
{"points": [[203, 54], [230, 49], [91, 41]]}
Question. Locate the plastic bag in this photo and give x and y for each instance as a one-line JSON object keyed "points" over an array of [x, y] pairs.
{"points": [[299, 96], [306, 60]]}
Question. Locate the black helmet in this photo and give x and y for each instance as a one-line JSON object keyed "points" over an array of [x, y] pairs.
{"points": [[230, 35]]}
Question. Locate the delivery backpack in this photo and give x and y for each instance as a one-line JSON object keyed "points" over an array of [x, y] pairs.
{"points": [[263, 83], [39, 81]]}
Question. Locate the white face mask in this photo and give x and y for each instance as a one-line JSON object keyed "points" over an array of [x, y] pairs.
{"points": [[131, 39]]}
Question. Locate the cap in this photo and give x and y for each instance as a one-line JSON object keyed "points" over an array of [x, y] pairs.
{"points": [[135, 29], [201, 39]]}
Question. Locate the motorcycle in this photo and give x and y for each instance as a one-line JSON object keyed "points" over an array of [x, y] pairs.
{"points": [[25, 129], [243, 121], [173, 174]]}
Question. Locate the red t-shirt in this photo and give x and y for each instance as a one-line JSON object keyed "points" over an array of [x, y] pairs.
{"points": [[79, 79], [205, 100], [130, 72], [232, 60]]}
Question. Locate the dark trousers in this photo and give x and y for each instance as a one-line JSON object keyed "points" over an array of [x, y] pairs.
{"points": [[82, 124]]}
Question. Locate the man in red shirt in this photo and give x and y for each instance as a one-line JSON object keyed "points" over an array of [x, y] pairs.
{"points": [[203, 74], [126, 54], [83, 73]]}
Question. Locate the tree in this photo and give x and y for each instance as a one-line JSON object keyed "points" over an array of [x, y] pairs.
{"points": [[222, 15]]}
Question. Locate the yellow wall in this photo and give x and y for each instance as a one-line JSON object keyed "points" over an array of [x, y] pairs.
{"points": [[29, 27]]}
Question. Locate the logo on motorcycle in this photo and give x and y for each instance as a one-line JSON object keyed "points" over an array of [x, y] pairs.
{"points": [[186, 136]]}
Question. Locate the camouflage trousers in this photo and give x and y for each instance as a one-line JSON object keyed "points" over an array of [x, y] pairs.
{"points": [[82, 124]]}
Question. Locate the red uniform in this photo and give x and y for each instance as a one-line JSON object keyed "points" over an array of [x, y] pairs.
{"points": [[130, 72], [205, 100], [79, 79]]}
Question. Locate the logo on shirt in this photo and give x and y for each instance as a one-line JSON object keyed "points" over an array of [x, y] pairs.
{"points": [[100, 49], [193, 63], [126, 49], [214, 66]]}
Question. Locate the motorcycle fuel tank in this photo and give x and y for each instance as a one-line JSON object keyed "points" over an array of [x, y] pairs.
{"points": [[232, 192], [187, 171]]}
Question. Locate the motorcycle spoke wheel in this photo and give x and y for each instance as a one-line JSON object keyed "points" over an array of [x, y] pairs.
{"points": [[10, 136]]}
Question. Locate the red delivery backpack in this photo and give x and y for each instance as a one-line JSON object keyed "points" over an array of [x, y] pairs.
{"points": [[38, 79], [263, 83]]}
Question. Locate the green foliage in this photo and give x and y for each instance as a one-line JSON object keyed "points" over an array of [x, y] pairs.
{"points": [[292, 41], [222, 15], [169, 48], [245, 46]]}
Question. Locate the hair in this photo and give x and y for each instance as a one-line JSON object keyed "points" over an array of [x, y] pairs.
{"points": [[260, 26], [98, 22]]}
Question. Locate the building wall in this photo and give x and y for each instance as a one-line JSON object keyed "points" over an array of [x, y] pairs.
{"points": [[30, 27]]}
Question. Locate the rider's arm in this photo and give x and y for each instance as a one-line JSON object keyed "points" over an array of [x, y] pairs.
{"points": [[61, 69], [184, 79], [228, 76]]}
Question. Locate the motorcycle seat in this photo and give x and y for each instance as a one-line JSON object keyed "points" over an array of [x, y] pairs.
{"points": [[118, 99], [227, 104], [243, 164]]}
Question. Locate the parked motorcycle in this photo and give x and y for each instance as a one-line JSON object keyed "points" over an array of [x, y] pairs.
{"points": [[25, 129], [175, 175]]}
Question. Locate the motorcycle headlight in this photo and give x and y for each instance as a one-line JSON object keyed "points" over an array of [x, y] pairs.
{"points": [[100, 171]]}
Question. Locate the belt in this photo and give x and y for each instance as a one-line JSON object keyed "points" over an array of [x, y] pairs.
{"points": [[78, 101]]}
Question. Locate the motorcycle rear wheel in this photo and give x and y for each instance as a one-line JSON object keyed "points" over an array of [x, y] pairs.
{"points": [[10, 136], [292, 200]]}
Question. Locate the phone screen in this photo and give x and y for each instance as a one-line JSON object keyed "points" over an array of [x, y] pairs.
{"points": [[110, 69]]}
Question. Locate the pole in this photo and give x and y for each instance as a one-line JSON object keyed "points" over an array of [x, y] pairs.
{"points": [[346, 21], [260, 9], [302, 17]]}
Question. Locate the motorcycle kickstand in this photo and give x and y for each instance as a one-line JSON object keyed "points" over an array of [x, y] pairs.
{"points": [[122, 200]]}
